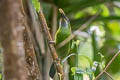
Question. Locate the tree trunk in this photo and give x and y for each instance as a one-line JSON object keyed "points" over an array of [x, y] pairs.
{"points": [[11, 37], [19, 58]]}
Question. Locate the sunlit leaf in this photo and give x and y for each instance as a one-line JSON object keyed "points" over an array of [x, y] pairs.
{"points": [[78, 77], [114, 26], [85, 48], [105, 11], [36, 4], [0, 77], [117, 11], [83, 62]]}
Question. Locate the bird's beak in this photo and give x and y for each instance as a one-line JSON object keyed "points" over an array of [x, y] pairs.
{"points": [[62, 14], [64, 21]]}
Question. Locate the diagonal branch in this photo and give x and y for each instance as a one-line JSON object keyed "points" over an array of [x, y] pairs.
{"points": [[110, 62], [109, 75], [52, 48]]}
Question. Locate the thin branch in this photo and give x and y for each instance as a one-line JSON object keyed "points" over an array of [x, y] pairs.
{"points": [[110, 62], [109, 75], [36, 30], [52, 48], [65, 59]]}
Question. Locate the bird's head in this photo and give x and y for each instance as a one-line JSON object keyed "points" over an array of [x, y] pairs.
{"points": [[64, 21]]}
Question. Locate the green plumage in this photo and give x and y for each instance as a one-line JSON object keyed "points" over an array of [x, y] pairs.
{"points": [[62, 34]]}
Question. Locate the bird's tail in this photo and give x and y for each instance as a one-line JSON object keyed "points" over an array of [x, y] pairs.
{"points": [[52, 71]]}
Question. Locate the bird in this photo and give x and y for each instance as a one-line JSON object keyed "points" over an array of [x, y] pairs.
{"points": [[63, 32]]}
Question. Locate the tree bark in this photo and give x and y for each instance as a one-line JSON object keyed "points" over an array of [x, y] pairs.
{"points": [[11, 37], [30, 56], [31, 61], [19, 58]]}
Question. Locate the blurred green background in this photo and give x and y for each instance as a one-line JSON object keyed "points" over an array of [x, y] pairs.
{"points": [[101, 36]]}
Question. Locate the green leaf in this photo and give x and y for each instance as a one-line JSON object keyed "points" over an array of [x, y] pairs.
{"points": [[73, 69], [117, 11], [78, 74], [36, 5], [84, 62], [105, 11], [114, 27], [86, 77], [82, 75], [0, 77], [78, 77], [85, 48]]}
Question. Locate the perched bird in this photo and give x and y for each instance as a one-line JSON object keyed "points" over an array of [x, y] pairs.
{"points": [[63, 32]]}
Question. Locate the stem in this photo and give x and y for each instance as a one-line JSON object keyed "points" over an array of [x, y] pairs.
{"points": [[109, 75], [52, 48]]}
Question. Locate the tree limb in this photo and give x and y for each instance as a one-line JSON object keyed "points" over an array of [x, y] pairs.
{"points": [[52, 48]]}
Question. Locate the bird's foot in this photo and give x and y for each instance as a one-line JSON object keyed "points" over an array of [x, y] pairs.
{"points": [[57, 60]]}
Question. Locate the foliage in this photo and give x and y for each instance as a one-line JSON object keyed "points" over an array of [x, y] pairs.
{"points": [[94, 46], [102, 38], [36, 4]]}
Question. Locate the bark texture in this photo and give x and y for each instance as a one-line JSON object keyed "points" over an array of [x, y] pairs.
{"points": [[11, 37], [33, 70], [19, 58]]}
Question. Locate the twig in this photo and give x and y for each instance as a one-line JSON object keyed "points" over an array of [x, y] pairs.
{"points": [[68, 57], [104, 71], [52, 48], [109, 75], [112, 60], [36, 32]]}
